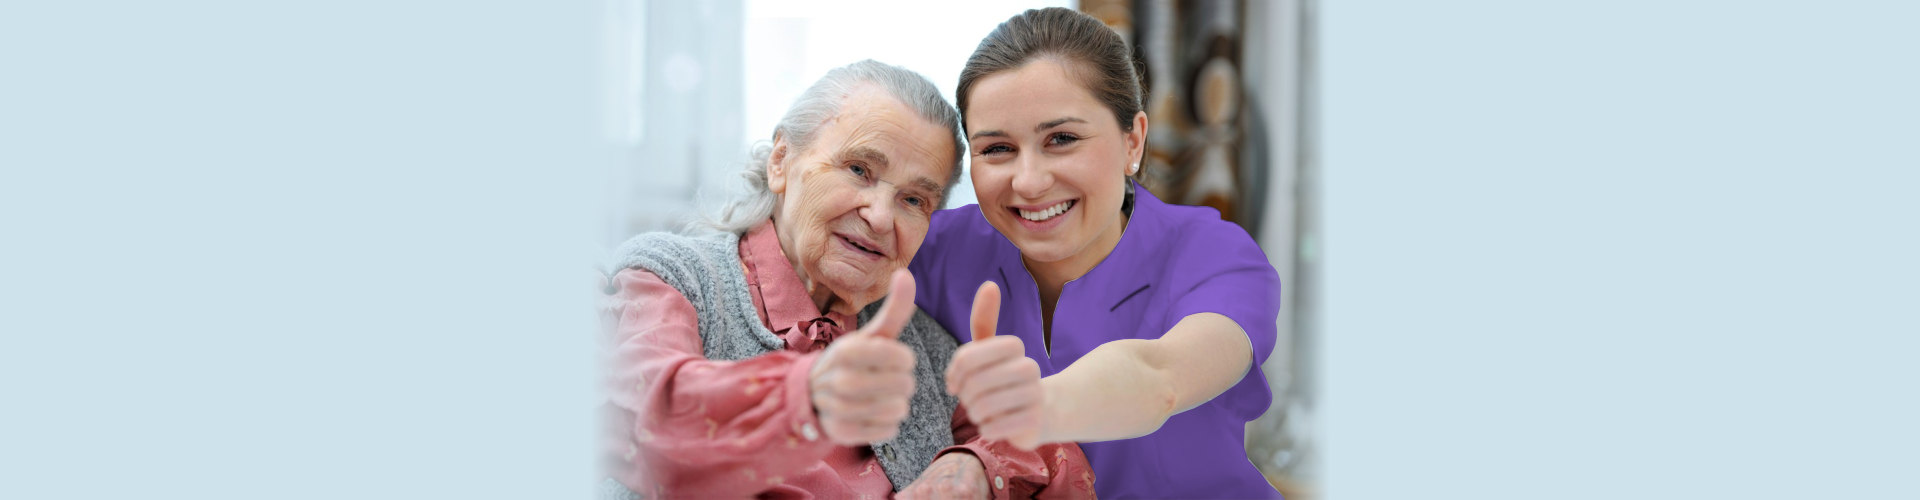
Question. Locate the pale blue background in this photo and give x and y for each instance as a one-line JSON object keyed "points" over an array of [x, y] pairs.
{"points": [[1573, 250], [297, 250], [1642, 249]]}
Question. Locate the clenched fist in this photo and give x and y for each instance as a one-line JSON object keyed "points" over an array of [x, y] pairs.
{"points": [[861, 384], [995, 380]]}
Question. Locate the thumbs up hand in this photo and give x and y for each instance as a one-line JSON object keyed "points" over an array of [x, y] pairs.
{"points": [[861, 385], [995, 380]]}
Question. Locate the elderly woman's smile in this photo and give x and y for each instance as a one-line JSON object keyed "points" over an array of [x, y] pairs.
{"points": [[855, 205], [865, 245]]}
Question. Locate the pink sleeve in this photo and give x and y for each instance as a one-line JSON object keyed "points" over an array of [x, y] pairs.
{"points": [[1057, 470], [681, 425]]}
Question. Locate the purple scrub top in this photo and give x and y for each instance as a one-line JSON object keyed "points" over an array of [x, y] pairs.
{"points": [[1172, 262]]}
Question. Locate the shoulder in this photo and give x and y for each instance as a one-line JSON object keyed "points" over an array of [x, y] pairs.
{"points": [[639, 282], [674, 256], [700, 266], [666, 244], [1196, 235]]}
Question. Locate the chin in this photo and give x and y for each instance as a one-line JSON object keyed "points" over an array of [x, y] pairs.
{"points": [[1034, 247], [855, 287], [1045, 251]]}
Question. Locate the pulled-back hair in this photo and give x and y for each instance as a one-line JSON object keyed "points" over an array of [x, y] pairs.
{"points": [[1089, 50]]}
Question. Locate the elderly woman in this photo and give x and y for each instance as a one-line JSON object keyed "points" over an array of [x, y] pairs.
{"points": [[736, 368]]}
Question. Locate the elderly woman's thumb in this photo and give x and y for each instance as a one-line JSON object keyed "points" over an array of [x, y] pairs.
{"points": [[895, 310]]}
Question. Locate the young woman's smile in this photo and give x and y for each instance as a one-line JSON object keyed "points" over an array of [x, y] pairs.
{"points": [[1050, 165], [1039, 218]]}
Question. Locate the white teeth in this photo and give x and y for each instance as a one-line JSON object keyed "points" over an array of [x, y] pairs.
{"points": [[1049, 213]]}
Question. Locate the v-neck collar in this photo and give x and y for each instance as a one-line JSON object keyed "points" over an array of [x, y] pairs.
{"points": [[1139, 197]]}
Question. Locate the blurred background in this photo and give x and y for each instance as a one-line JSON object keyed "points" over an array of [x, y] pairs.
{"points": [[692, 85], [1631, 249]]}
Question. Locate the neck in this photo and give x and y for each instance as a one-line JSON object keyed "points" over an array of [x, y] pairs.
{"points": [[1052, 276], [824, 298]]}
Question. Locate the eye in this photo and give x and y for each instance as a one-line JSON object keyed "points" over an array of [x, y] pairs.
{"points": [[916, 201], [995, 149], [857, 169], [1061, 139]]}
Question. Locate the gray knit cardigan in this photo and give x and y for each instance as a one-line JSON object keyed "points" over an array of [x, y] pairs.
{"points": [[706, 269]]}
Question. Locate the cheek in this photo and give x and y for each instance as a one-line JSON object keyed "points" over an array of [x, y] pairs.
{"points": [[1098, 177], [910, 240], [988, 181], [812, 212], [836, 209], [838, 205], [1098, 167], [822, 197]]}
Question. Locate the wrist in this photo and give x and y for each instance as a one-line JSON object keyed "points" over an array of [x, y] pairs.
{"points": [[805, 415], [975, 463], [1053, 412], [965, 457]]}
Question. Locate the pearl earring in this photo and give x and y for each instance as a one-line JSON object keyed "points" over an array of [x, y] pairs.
{"points": [[1134, 168]]}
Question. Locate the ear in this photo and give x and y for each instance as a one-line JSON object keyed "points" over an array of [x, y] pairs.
{"points": [[777, 165], [1137, 139]]}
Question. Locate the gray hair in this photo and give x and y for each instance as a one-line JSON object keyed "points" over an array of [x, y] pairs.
{"points": [[820, 103]]}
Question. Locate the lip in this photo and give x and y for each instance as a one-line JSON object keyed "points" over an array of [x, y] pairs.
{"points": [[1042, 206], [850, 241], [1046, 225]]}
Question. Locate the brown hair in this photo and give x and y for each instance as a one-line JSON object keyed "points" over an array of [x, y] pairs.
{"points": [[1090, 51]]}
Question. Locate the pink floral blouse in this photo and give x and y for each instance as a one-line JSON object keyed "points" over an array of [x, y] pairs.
{"points": [[682, 426]]}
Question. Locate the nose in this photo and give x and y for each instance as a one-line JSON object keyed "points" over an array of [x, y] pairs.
{"points": [[1031, 178], [878, 210]]}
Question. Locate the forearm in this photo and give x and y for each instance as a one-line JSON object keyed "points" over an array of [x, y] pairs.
{"points": [[1111, 393], [1129, 388], [710, 428]]}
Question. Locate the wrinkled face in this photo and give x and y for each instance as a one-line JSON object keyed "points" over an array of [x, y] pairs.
{"points": [[1050, 162], [856, 203]]}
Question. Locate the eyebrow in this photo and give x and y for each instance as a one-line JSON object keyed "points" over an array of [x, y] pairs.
{"points": [[1043, 127], [1057, 122], [879, 161], [925, 184], [988, 133], [870, 155]]}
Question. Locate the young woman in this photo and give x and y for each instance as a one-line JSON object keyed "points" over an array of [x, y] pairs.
{"points": [[1148, 321]]}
